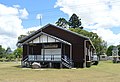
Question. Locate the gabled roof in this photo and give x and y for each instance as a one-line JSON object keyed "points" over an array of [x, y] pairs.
{"points": [[40, 30], [70, 31]]}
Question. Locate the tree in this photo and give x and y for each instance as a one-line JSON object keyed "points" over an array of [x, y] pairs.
{"points": [[18, 52], [109, 50], [21, 37], [62, 22], [74, 21], [2, 52], [10, 56], [8, 50]]}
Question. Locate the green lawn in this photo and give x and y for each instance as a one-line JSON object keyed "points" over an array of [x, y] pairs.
{"points": [[104, 72]]}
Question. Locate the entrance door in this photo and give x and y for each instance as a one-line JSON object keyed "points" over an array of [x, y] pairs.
{"points": [[51, 54]]}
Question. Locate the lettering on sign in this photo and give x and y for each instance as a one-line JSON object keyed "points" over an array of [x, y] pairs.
{"points": [[51, 46]]}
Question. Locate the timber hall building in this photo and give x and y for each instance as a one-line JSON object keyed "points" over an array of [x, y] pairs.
{"points": [[56, 47]]}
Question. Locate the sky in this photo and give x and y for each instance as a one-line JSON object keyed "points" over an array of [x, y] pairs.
{"points": [[20, 16]]}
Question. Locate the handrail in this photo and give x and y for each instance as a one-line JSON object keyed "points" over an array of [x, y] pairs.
{"points": [[66, 61], [25, 58]]}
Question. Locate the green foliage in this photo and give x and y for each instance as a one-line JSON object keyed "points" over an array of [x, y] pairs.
{"points": [[62, 22], [6, 55], [18, 52], [10, 57], [21, 37], [74, 21], [99, 44], [8, 50], [2, 52], [109, 50]]}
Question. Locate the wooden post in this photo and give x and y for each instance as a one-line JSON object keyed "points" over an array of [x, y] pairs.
{"points": [[89, 53], [60, 64], [85, 53], [61, 50], [43, 52], [50, 64], [27, 49], [71, 52]]}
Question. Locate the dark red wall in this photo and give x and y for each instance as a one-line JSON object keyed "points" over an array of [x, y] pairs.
{"points": [[24, 51], [76, 41]]}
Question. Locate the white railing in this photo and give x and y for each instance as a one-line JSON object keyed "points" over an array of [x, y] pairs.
{"points": [[46, 57]]}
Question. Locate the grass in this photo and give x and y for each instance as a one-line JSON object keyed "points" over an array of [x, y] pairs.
{"points": [[105, 72]]}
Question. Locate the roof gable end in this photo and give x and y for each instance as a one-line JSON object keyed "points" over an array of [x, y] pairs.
{"points": [[46, 26]]}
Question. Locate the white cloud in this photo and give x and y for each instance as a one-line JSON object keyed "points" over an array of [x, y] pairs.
{"points": [[39, 16], [97, 15], [16, 6], [23, 13], [32, 29], [108, 35], [4, 10], [11, 25]]}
